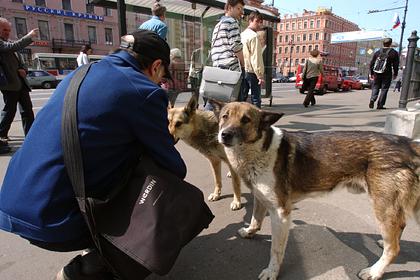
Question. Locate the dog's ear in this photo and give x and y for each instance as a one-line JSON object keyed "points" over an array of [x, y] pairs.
{"points": [[269, 118], [191, 106], [217, 106]]}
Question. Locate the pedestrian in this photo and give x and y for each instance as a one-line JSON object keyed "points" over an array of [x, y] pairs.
{"points": [[130, 113], [311, 71], [83, 57], [253, 59], [157, 22], [226, 46], [16, 91], [398, 85], [179, 82], [383, 69]]}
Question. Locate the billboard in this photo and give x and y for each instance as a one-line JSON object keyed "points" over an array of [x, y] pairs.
{"points": [[357, 36]]}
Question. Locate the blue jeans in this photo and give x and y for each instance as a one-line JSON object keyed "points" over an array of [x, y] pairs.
{"points": [[251, 82]]}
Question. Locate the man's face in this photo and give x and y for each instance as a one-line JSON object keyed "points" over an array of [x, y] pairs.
{"points": [[236, 11], [5, 30], [256, 24]]}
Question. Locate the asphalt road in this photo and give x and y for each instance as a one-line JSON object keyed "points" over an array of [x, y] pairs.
{"points": [[332, 237]]}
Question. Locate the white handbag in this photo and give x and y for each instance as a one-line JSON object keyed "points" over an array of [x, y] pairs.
{"points": [[220, 84]]}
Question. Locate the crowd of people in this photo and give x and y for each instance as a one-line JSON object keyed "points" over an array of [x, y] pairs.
{"points": [[130, 111]]}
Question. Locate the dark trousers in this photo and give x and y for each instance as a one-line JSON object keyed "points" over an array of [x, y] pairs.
{"points": [[310, 85], [11, 100], [381, 82], [251, 82]]}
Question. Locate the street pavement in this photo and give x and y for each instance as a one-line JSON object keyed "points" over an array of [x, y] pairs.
{"points": [[332, 237]]}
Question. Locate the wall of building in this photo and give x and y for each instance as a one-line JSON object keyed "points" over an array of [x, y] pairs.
{"points": [[299, 34]]}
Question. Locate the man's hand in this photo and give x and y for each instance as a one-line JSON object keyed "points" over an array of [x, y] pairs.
{"points": [[261, 81], [372, 77], [22, 72], [33, 33]]}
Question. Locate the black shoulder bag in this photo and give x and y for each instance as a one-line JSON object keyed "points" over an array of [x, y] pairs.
{"points": [[149, 216]]}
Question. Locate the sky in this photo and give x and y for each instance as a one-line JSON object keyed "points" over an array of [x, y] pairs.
{"points": [[357, 11]]}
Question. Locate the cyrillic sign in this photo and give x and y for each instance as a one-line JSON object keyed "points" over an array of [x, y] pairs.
{"points": [[48, 11]]}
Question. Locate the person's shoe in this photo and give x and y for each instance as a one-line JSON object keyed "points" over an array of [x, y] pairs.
{"points": [[4, 147], [80, 268], [305, 104], [381, 108], [313, 103], [371, 103]]}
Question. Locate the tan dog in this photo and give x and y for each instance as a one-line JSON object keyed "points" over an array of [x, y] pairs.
{"points": [[199, 130], [284, 167]]}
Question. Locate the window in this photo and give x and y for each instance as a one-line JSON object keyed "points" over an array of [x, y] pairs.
{"points": [[318, 23], [40, 3], [92, 34], [21, 29], [299, 25], [303, 49], [291, 49], [107, 12], [280, 39], [327, 23], [17, 1], [286, 39], [305, 25], [326, 36], [310, 48], [90, 8], [317, 36], [311, 24], [292, 37], [108, 36], [304, 37], [298, 38], [66, 5], [68, 32], [310, 37], [296, 61], [297, 49], [293, 26], [316, 47], [287, 26], [280, 49], [281, 26], [302, 60], [44, 30], [286, 50]]}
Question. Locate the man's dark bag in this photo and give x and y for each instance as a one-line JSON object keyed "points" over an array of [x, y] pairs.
{"points": [[150, 215]]}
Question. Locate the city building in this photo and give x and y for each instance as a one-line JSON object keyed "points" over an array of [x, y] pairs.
{"points": [[299, 34]]}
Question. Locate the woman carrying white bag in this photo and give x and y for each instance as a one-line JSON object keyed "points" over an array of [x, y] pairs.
{"points": [[223, 80]]}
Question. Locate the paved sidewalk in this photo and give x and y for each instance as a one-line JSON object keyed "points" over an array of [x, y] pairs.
{"points": [[332, 237]]}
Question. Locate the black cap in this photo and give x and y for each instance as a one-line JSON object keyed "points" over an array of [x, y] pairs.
{"points": [[148, 44]]}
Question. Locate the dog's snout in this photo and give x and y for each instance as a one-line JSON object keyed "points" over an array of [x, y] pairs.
{"points": [[227, 136]]}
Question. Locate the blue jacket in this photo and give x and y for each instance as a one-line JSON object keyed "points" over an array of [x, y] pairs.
{"points": [[156, 25], [119, 109]]}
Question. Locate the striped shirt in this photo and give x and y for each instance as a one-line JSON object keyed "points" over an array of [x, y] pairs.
{"points": [[226, 41]]}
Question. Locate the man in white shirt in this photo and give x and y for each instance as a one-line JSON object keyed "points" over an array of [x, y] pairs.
{"points": [[253, 59]]}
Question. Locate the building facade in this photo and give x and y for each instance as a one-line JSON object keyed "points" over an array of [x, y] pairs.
{"points": [[300, 34]]}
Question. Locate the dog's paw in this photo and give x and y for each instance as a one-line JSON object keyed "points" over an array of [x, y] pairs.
{"points": [[268, 274], [213, 197], [229, 175], [368, 274], [380, 243], [245, 233], [235, 205]]}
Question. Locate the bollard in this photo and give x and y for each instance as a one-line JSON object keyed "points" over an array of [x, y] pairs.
{"points": [[408, 70]]}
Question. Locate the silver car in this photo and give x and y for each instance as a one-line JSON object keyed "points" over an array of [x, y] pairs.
{"points": [[41, 78]]}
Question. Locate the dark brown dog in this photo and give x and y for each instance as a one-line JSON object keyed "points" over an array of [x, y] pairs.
{"points": [[271, 162], [199, 130]]}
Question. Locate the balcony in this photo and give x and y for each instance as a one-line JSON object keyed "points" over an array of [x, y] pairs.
{"points": [[59, 44]]}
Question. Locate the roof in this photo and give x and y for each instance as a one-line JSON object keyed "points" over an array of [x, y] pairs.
{"points": [[205, 8]]}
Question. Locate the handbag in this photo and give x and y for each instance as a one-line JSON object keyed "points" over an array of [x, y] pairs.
{"points": [[220, 84], [150, 214]]}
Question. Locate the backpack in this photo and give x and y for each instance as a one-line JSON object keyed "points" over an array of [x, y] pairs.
{"points": [[381, 61]]}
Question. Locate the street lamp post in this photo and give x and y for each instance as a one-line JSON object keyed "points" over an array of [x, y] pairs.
{"points": [[402, 28], [290, 57]]}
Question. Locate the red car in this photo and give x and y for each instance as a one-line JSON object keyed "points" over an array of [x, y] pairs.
{"points": [[352, 83], [331, 80]]}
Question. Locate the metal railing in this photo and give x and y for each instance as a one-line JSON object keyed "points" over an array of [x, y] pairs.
{"points": [[411, 77]]}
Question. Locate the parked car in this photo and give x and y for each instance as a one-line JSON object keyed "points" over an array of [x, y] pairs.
{"points": [[292, 79], [279, 78], [366, 82], [41, 78], [352, 82], [331, 80]]}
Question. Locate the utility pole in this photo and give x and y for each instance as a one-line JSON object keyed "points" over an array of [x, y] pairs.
{"points": [[402, 24], [290, 57]]}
